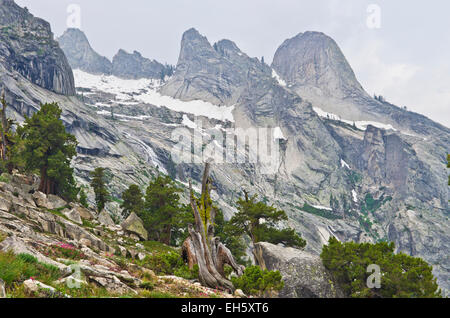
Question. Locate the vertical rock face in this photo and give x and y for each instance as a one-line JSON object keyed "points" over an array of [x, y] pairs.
{"points": [[80, 54], [313, 60], [218, 74], [27, 46], [135, 66]]}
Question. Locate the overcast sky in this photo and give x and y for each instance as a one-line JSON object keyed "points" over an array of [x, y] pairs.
{"points": [[404, 55]]}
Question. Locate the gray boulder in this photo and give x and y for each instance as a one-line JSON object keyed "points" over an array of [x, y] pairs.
{"points": [[134, 225], [42, 201], [73, 216], [105, 219], [56, 201], [84, 213], [303, 274]]}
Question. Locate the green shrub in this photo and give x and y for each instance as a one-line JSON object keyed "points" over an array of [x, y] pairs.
{"points": [[18, 268], [402, 275], [256, 281], [320, 212], [147, 285], [169, 263], [27, 258], [3, 236]]}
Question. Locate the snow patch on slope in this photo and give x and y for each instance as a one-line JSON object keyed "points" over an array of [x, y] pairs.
{"points": [[145, 91], [354, 196], [188, 123], [278, 134], [278, 78], [321, 207], [359, 124], [344, 164]]}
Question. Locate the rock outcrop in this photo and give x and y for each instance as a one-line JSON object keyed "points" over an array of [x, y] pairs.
{"points": [[27, 46], [81, 55], [314, 60], [303, 273], [105, 219], [135, 66], [126, 65], [134, 225]]}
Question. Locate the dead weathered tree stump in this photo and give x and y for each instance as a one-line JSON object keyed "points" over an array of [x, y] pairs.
{"points": [[202, 248]]}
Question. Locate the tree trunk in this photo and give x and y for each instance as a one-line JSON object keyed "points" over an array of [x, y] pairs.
{"points": [[202, 248], [47, 185]]}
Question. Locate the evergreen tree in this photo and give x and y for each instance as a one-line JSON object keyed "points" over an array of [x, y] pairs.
{"points": [[132, 201], [47, 147], [258, 220], [98, 183], [401, 275], [7, 137], [161, 208], [83, 198], [231, 237]]}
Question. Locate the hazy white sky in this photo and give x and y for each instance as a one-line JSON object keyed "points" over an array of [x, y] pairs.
{"points": [[406, 59]]}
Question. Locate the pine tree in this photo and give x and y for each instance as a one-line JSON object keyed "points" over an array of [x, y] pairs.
{"points": [[401, 275], [7, 137], [161, 208], [258, 221], [98, 183], [83, 198], [132, 201], [47, 147]]}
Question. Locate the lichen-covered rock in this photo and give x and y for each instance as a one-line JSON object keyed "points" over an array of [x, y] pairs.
{"points": [[303, 273], [105, 219], [134, 225], [56, 201], [41, 200], [73, 216], [84, 213]]}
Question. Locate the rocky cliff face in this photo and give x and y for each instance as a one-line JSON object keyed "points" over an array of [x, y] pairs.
{"points": [[218, 74], [27, 46], [352, 167], [135, 66], [80, 54], [312, 60]]}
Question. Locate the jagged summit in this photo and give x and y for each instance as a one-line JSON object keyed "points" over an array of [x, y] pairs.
{"points": [[135, 66], [80, 54], [216, 73], [314, 60]]}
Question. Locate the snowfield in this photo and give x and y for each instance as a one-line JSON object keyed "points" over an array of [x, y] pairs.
{"points": [[145, 91], [359, 124]]}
